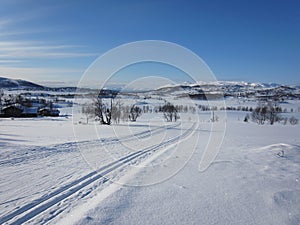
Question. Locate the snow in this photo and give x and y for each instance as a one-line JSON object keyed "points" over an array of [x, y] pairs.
{"points": [[60, 171], [247, 184]]}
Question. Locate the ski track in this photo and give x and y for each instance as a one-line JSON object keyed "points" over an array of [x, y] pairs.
{"points": [[38, 206], [38, 152]]}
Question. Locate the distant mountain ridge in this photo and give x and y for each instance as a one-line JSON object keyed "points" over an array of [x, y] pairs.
{"points": [[241, 84], [7, 83], [216, 89], [19, 84], [195, 90]]}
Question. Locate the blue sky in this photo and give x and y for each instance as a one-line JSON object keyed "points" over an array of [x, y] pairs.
{"points": [[54, 41]]}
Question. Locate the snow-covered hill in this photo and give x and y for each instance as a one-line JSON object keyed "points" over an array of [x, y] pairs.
{"points": [[199, 90], [7, 83], [19, 84], [230, 88]]}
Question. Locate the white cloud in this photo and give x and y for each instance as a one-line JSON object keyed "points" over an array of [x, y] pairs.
{"points": [[29, 49], [5, 61]]}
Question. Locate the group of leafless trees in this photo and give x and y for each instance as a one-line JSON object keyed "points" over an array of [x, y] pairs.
{"points": [[266, 112], [114, 111], [269, 112], [170, 112], [108, 111]]}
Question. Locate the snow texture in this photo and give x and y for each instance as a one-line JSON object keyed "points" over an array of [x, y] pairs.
{"points": [[147, 172]]}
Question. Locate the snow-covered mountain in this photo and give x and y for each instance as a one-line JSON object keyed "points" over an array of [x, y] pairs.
{"points": [[199, 90], [19, 84], [230, 88], [7, 83], [223, 85]]}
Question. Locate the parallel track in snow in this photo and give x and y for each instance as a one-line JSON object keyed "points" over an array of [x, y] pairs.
{"points": [[45, 151], [38, 206]]}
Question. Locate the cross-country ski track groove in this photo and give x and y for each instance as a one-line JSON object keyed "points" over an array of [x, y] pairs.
{"points": [[45, 151], [36, 207]]}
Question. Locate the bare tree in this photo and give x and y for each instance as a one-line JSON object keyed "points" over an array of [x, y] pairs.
{"points": [[116, 111], [102, 112], [170, 112], [125, 112], [88, 111], [134, 113], [214, 118], [273, 112], [267, 111], [293, 120], [259, 115]]}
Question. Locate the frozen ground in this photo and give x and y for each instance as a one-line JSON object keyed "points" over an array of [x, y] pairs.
{"points": [[135, 173]]}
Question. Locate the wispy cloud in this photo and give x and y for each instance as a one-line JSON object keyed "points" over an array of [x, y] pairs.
{"points": [[13, 33], [7, 61], [29, 50], [36, 71], [19, 42], [27, 47]]}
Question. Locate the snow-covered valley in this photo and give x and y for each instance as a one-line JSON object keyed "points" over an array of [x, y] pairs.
{"points": [[63, 170]]}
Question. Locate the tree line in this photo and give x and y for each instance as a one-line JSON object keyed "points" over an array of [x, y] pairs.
{"points": [[112, 110], [269, 112]]}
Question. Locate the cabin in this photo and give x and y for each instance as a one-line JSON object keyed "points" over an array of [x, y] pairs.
{"points": [[48, 112], [11, 111], [18, 110]]}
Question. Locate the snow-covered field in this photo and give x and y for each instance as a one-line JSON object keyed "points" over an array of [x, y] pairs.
{"points": [[60, 171]]}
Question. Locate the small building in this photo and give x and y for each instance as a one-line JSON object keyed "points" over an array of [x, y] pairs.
{"points": [[12, 111], [48, 112], [17, 110]]}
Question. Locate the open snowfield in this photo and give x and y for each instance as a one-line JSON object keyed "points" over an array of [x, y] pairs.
{"points": [[59, 171]]}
